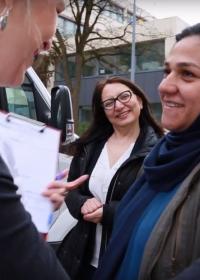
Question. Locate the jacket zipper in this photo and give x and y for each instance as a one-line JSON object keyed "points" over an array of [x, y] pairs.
{"points": [[106, 232]]}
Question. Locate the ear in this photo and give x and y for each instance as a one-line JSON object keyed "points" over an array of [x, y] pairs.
{"points": [[140, 102]]}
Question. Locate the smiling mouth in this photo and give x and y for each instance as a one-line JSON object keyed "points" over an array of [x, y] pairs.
{"points": [[123, 114], [171, 104]]}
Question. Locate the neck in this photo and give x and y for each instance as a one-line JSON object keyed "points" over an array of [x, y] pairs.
{"points": [[126, 133]]}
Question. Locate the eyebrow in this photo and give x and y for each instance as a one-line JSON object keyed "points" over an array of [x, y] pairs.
{"points": [[111, 98], [183, 64]]}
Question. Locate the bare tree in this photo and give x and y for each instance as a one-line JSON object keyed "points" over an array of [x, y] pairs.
{"points": [[93, 28], [94, 31]]}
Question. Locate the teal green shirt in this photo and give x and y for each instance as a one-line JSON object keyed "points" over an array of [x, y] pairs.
{"points": [[129, 269]]}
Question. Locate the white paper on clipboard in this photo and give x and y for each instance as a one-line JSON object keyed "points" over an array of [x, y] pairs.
{"points": [[30, 150]]}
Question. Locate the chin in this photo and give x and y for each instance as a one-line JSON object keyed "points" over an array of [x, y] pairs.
{"points": [[13, 76], [171, 126], [167, 124], [17, 80], [11, 83]]}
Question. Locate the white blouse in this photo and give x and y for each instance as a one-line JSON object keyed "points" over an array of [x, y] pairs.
{"points": [[99, 182]]}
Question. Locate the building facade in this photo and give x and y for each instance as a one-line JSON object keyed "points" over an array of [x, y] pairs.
{"points": [[153, 39]]}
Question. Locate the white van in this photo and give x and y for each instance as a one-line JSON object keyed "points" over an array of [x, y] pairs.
{"points": [[32, 100]]}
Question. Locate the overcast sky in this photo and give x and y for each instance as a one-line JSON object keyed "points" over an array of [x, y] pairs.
{"points": [[188, 10]]}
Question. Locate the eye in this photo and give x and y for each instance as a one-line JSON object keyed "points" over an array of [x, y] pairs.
{"points": [[166, 72], [124, 96], [187, 74], [108, 103]]}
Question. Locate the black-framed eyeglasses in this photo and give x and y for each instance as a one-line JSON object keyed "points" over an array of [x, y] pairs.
{"points": [[123, 97]]}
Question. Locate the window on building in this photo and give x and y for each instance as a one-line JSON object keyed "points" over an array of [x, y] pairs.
{"points": [[107, 65], [129, 18], [59, 69], [150, 55], [115, 62], [114, 12], [90, 68]]}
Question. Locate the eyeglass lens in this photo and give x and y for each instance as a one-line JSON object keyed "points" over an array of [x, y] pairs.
{"points": [[123, 97]]}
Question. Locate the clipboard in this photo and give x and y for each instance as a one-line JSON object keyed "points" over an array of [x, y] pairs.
{"points": [[30, 150]]}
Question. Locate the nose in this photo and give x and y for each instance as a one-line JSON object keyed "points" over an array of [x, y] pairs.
{"points": [[118, 104], [168, 85]]}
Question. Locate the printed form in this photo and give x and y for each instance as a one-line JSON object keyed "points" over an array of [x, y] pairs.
{"points": [[30, 150]]}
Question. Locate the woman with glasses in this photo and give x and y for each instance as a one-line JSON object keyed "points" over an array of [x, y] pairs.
{"points": [[111, 151]]}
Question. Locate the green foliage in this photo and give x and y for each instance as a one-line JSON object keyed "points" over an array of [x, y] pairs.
{"points": [[82, 126]]}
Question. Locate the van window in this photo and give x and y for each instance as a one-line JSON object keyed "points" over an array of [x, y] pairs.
{"points": [[21, 101]]}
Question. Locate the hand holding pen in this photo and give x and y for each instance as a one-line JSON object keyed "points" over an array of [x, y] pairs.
{"points": [[58, 189]]}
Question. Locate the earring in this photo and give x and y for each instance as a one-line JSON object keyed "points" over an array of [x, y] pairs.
{"points": [[4, 19]]}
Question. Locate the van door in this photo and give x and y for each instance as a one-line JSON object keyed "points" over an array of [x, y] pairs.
{"points": [[26, 101], [32, 100]]}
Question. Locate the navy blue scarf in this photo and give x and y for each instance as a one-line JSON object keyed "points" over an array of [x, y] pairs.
{"points": [[170, 161]]}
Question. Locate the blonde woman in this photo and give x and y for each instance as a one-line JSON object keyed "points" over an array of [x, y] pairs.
{"points": [[26, 28]]}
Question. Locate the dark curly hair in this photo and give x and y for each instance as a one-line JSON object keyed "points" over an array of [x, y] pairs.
{"points": [[193, 30]]}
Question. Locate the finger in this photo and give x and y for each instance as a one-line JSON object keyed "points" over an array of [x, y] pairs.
{"points": [[56, 200], [88, 216], [74, 184], [93, 207], [95, 211], [56, 197], [62, 174], [97, 204], [92, 217], [56, 185], [94, 203], [86, 209], [88, 206], [51, 191], [88, 219]]}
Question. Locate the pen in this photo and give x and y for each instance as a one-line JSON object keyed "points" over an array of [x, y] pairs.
{"points": [[60, 175]]}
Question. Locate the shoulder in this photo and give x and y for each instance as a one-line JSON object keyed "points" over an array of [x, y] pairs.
{"points": [[146, 140]]}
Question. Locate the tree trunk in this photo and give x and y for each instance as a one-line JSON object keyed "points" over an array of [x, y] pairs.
{"points": [[76, 89]]}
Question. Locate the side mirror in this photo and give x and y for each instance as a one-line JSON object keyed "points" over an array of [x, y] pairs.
{"points": [[61, 112]]}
